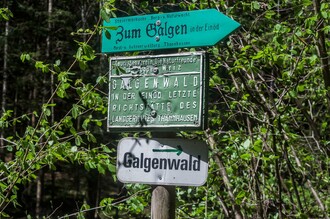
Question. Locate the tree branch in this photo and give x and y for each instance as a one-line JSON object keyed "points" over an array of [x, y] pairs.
{"points": [[321, 46]]}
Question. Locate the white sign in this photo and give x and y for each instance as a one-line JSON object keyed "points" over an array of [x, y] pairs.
{"points": [[162, 161]]}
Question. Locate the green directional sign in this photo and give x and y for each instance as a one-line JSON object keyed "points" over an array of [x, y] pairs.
{"points": [[165, 31]]}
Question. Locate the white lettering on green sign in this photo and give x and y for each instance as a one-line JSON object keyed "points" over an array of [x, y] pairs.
{"points": [[156, 91]]}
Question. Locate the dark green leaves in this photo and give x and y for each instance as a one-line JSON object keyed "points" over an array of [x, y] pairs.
{"points": [[104, 15], [5, 14], [84, 54], [107, 34]]}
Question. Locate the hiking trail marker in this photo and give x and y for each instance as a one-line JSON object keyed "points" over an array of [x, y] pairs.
{"points": [[164, 93], [166, 31], [162, 161]]}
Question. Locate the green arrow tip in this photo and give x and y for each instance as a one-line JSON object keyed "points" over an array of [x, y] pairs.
{"points": [[179, 150]]}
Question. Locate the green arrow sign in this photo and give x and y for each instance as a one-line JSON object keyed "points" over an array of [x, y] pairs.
{"points": [[177, 151], [166, 31]]}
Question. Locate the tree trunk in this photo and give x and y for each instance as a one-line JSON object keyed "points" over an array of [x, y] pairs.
{"points": [[83, 18], [4, 86], [40, 179], [98, 191], [92, 182], [225, 178], [321, 47], [39, 192]]}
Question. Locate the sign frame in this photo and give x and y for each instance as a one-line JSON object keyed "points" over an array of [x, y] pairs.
{"points": [[200, 124], [162, 161]]}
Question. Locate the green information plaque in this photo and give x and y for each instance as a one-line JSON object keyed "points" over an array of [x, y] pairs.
{"points": [[157, 92]]}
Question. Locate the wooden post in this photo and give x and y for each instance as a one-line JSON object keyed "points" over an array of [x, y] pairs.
{"points": [[163, 197], [163, 202]]}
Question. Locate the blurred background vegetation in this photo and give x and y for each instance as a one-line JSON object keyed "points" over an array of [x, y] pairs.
{"points": [[269, 116]]}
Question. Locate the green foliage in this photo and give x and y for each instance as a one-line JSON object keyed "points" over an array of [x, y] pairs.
{"points": [[272, 94], [268, 113], [52, 139], [5, 14]]}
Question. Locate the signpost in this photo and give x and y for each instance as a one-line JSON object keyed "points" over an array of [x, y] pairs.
{"points": [[164, 92], [157, 92], [162, 161], [165, 31]]}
